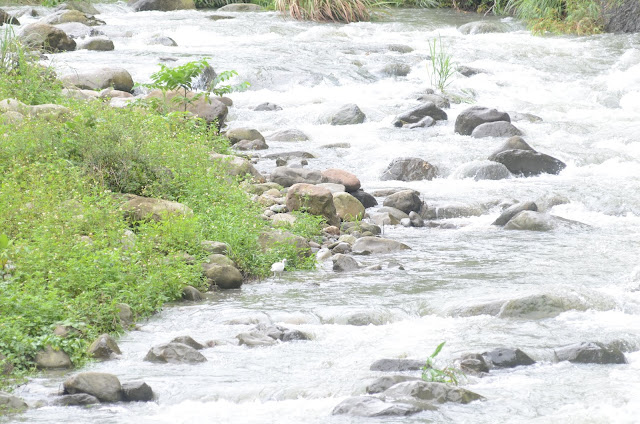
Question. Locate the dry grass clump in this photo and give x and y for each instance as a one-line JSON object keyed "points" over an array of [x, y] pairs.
{"points": [[328, 10]]}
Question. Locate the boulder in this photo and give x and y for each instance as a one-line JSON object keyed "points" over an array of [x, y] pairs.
{"points": [[539, 306], [5, 18], [531, 221], [333, 188], [51, 358], [188, 340], [82, 6], [46, 37], [217, 259], [192, 294], [507, 358], [137, 391], [361, 227], [238, 134], [409, 169], [376, 245], [99, 44], [267, 240], [13, 105], [117, 78], [11, 118], [474, 363], [267, 107], [314, 200], [49, 112], [67, 16], [161, 5], [439, 101], [288, 135], [431, 392], [474, 116], [350, 182], [105, 387], [418, 113], [404, 200], [415, 220], [348, 208], [483, 170], [104, 347], [174, 353], [397, 365], [163, 41], [288, 177], [512, 211], [125, 314], [342, 263], [347, 115], [513, 143], [211, 109], [495, 129], [79, 399], [483, 27], [251, 145], [241, 7], [224, 277], [396, 213], [267, 335], [368, 406], [10, 404], [367, 200], [396, 70], [383, 383], [400, 48], [528, 163], [425, 122], [621, 16], [591, 353], [236, 166], [138, 208], [290, 155]]}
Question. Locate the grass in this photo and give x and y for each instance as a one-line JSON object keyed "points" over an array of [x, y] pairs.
{"points": [[328, 10], [442, 68]]}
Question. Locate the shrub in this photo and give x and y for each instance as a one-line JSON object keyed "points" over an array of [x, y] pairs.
{"points": [[328, 10]]}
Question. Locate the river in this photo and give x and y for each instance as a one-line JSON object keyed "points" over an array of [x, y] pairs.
{"points": [[587, 92]]}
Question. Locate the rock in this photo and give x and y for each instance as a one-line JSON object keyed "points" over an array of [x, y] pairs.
{"points": [[396, 213], [483, 170], [125, 314], [100, 44], [507, 358], [439, 101], [6, 367], [425, 122], [483, 27], [367, 200], [236, 166], [340, 248], [420, 112], [51, 358], [217, 259], [288, 135], [290, 155], [67, 16], [288, 177], [451, 210], [528, 163], [539, 306], [163, 41], [105, 387], [347, 115], [82, 6], [192, 294], [13, 105], [117, 78], [409, 169], [474, 363], [399, 48], [415, 220], [138, 208], [546, 203], [383, 383], [241, 7], [512, 211], [251, 145], [238, 134], [350, 182], [404, 200], [375, 245], [468, 71], [49, 112], [214, 247], [495, 129], [137, 391], [46, 37], [110, 93], [470, 118], [347, 207], [530, 221], [333, 188], [621, 16], [529, 117], [255, 338], [430, 391], [188, 340], [396, 69], [283, 219], [591, 353], [397, 365], [11, 118], [212, 110], [336, 146], [368, 406], [161, 5], [224, 277], [79, 399], [11, 404], [174, 353], [267, 107], [513, 143], [104, 347], [5, 18], [342, 263], [350, 227], [268, 239], [312, 199]]}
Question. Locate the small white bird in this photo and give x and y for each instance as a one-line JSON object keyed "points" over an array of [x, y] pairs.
{"points": [[278, 267]]}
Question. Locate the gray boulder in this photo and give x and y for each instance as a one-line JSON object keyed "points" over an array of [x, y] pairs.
{"points": [[368, 406], [79, 399], [174, 353], [483, 170], [251, 145], [79, 30], [66, 16], [539, 306], [241, 7], [397, 365], [438, 100], [224, 277], [137, 391], [82, 6], [104, 347], [376, 245], [188, 340], [343, 263], [267, 107], [314, 200], [367, 200], [288, 135], [483, 27], [513, 143], [420, 112], [431, 392], [255, 339], [512, 211], [531, 221], [287, 177], [409, 169], [51, 358], [405, 200], [474, 116], [507, 358], [235, 166], [10, 404], [347, 115], [138, 208], [591, 353], [46, 37], [5, 18], [117, 78], [528, 163], [468, 71], [192, 294], [495, 129], [99, 44], [621, 16], [161, 5], [238, 134], [163, 41], [105, 387], [383, 383]]}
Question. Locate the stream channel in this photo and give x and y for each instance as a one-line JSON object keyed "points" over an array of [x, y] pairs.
{"points": [[587, 92]]}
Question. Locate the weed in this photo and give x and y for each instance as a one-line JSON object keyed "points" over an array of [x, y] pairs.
{"points": [[448, 374], [442, 67], [329, 10]]}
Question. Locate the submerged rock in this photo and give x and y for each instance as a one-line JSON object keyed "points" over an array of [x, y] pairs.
{"points": [[591, 353], [105, 387], [483, 27], [474, 116], [528, 163], [383, 383], [369, 406], [417, 114], [347, 115], [174, 353], [512, 211], [430, 391], [78, 399], [11, 404], [483, 170], [137, 391], [409, 169], [397, 365], [507, 358]]}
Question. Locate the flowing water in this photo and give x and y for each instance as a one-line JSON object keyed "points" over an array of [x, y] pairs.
{"points": [[586, 90]]}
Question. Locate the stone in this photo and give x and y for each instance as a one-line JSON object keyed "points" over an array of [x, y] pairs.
{"points": [[344, 263], [267, 107], [399, 48], [350, 182], [336, 146], [174, 353], [46, 37], [251, 145], [290, 155], [425, 122], [10, 404], [340, 247], [409, 169], [396, 70], [383, 383], [529, 163], [529, 117], [332, 187], [117, 78], [474, 363], [163, 41], [397, 365], [13, 105], [368, 406], [483, 170], [138, 208], [512, 211], [137, 391], [238, 134], [513, 143], [347, 207], [211, 109], [100, 44], [404, 200], [376, 245], [192, 294], [415, 220], [530, 221], [420, 112], [105, 387], [125, 314], [110, 93], [161, 5], [288, 135], [468, 71], [11, 118], [591, 353], [507, 358], [267, 240], [283, 219], [430, 391], [323, 254], [255, 338], [288, 177], [224, 277], [495, 129], [5, 18], [188, 340], [49, 112], [217, 259], [104, 347], [367, 200], [439, 101], [82, 6], [483, 27], [241, 7], [347, 115], [470, 118], [350, 227], [51, 358], [79, 399], [67, 16], [621, 16], [396, 213], [538, 306], [313, 200], [214, 247], [235, 166]]}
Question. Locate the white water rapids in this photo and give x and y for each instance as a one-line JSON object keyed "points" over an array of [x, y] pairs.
{"points": [[586, 90]]}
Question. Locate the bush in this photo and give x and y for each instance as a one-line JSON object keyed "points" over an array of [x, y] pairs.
{"points": [[328, 10]]}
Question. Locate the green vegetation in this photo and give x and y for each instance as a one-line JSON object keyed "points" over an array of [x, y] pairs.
{"points": [[68, 255], [448, 374], [442, 69], [328, 10]]}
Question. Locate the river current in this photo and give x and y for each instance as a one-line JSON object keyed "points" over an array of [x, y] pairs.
{"points": [[587, 92]]}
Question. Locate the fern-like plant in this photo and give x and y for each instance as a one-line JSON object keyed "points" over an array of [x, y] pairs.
{"points": [[441, 68], [448, 374]]}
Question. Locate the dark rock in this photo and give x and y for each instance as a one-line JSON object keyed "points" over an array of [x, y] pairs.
{"points": [[529, 163], [267, 107], [11, 404], [5, 18], [513, 143], [531, 221], [419, 112], [104, 347], [405, 200], [188, 340], [470, 118], [342, 263], [312, 199], [192, 294], [367, 200], [591, 353], [79, 399], [425, 122], [415, 220], [46, 37], [441, 102], [174, 353], [347, 115], [287, 177], [383, 383], [468, 71], [105, 387], [137, 391], [507, 358], [474, 363], [621, 16], [512, 211], [409, 169], [483, 170], [430, 391], [224, 277], [495, 129], [396, 70], [397, 365]]}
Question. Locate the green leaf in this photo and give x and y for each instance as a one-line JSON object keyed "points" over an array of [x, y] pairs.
{"points": [[438, 349], [4, 241]]}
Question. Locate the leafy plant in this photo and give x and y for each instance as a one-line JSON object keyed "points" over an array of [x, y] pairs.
{"points": [[559, 16], [5, 243], [441, 68], [329, 10], [448, 374]]}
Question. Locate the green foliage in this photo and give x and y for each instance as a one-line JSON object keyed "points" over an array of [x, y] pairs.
{"points": [[560, 16], [448, 374], [211, 4], [329, 10], [221, 90], [441, 68]]}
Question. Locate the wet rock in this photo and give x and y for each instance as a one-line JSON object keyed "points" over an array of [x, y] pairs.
{"points": [[5, 18], [66, 16], [312, 199], [621, 16], [530, 221], [430, 391], [51, 358], [539, 306], [483, 170], [236, 166], [529, 117], [474, 363], [46, 37], [161, 5], [251, 145], [255, 338], [344, 263], [415, 220], [288, 177], [214, 247], [348, 208], [137, 391], [495, 129], [512, 211], [399, 48], [438, 100], [238, 134], [367, 406], [483, 27], [225, 277], [347, 115], [375, 245], [367, 200], [336, 146], [474, 116], [241, 7], [78, 30], [528, 163], [404, 200], [420, 112], [188, 340], [350, 182], [383, 383], [341, 248], [396, 70], [174, 353], [79, 399], [117, 78], [591, 353], [99, 44], [468, 71], [545, 203], [138, 208], [513, 143], [105, 387], [397, 365], [192, 294], [82, 6], [104, 347], [409, 169], [507, 358], [425, 122], [267, 107], [451, 210], [362, 227], [11, 404], [288, 135]]}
